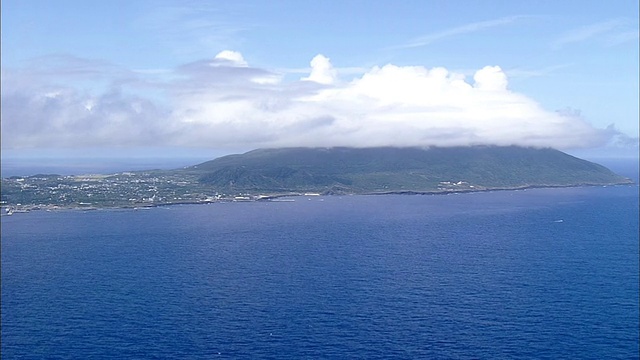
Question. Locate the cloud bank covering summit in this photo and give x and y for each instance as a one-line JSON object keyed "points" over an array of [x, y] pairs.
{"points": [[224, 101]]}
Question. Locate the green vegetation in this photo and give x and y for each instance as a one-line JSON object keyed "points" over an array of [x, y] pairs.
{"points": [[266, 173], [375, 170]]}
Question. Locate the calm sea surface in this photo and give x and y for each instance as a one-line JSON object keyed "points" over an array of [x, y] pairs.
{"points": [[545, 273]]}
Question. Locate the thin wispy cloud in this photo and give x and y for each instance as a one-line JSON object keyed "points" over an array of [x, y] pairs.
{"points": [[460, 30], [522, 73], [152, 71], [342, 71], [623, 37], [190, 31], [586, 33]]}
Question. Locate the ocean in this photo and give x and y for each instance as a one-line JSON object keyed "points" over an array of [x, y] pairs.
{"points": [[539, 273]]}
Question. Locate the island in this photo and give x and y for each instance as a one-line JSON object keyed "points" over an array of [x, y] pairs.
{"points": [[267, 174]]}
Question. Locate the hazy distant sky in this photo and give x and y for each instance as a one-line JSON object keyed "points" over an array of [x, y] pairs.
{"points": [[194, 76]]}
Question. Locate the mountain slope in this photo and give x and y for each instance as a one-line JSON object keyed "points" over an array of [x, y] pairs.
{"points": [[375, 170]]}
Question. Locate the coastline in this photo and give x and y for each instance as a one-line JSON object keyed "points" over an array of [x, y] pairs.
{"points": [[11, 209]]}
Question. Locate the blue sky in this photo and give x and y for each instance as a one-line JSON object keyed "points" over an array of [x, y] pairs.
{"points": [[174, 78]]}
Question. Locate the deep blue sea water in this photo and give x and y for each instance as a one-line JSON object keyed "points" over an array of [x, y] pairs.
{"points": [[541, 273]]}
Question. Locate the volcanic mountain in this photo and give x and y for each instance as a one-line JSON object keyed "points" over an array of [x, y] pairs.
{"points": [[341, 170]]}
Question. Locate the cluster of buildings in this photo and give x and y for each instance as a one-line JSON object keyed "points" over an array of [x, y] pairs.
{"points": [[96, 191]]}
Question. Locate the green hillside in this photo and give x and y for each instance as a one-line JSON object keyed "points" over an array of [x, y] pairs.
{"points": [[275, 172], [388, 169]]}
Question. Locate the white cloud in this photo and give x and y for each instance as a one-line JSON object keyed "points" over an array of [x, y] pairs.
{"points": [[230, 58], [490, 78], [235, 106], [322, 71], [389, 105]]}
